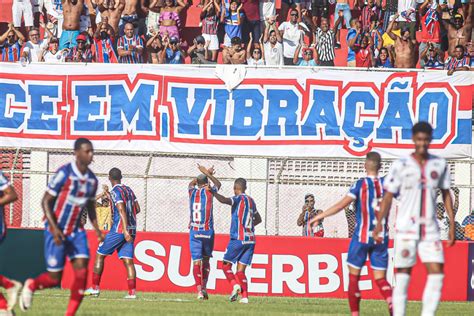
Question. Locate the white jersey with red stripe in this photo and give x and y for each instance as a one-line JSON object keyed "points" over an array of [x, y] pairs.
{"points": [[243, 213], [72, 190], [417, 186]]}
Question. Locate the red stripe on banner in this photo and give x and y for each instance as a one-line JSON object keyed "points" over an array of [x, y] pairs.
{"points": [[465, 97], [364, 211]]}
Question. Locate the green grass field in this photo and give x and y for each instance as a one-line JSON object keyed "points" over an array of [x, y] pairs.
{"points": [[54, 302]]}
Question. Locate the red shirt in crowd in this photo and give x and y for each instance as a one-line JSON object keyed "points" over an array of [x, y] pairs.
{"points": [[430, 27], [363, 58], [251, 9]]}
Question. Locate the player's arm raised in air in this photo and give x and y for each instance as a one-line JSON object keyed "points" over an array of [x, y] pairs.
{"points": [[210, 174], [90, 206], [9, 195], [336, 208], [123, 217]]}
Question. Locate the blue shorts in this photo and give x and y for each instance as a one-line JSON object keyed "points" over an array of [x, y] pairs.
{"points": [[239, 251], [75, 246], [378, 255], [115, 241], [68, 39], [201, 243]]}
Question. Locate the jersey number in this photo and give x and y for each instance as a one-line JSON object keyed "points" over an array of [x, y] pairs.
{"points": [[196, 212]]}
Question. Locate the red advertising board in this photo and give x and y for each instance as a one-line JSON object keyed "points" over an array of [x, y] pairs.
{"points": [[282, 266]]}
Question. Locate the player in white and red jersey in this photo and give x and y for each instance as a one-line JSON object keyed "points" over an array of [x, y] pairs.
{"points": [[416, 179], [7, 195], [70, 190], [201, 227], [242, 238]]}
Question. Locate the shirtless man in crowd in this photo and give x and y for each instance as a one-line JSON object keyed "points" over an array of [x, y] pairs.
{"points": [[404, 46], [72, 10], [112, 10], [234, 54], [459, 32], [129, 15]]}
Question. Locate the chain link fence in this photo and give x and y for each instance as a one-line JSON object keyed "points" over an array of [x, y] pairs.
{"points": [[160, 182]]}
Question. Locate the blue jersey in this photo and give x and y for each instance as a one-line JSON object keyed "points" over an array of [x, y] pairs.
{"points": [[201, 208], [243, 212], [123, 194], [367, 193], [4, 184], [72, 190]]}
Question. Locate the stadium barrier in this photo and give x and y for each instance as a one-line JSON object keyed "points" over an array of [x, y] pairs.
{"points": [[282, 266]]}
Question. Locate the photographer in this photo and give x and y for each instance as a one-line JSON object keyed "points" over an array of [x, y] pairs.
{"points": [[308, 212]]}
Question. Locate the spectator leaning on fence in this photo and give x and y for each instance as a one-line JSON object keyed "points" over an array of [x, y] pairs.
{"points": [[468, 224], [306, 215], [458, 62]]}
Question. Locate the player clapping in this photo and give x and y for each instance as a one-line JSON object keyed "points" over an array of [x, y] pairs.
{"points": [[122, 234], [367, 193], [201, 226], [417, 178], [242, 238]]}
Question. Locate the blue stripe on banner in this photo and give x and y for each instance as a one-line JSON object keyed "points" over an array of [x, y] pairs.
{"points": [[164, 124], [464, 132]]}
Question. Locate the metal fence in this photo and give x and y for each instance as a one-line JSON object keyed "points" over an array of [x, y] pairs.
{"points": [[160, 182]]}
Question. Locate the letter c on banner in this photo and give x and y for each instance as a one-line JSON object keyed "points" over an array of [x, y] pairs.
{"points": [[157, 266]]}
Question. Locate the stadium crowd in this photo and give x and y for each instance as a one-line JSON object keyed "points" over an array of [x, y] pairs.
{"points": [[433, 34]]}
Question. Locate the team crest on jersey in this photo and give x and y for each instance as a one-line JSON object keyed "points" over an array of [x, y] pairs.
{"points": [[434, 175], [405, 253], [52, 261]]}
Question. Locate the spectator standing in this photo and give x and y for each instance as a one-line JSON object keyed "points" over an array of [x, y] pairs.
{"points": [[210, 21], [390, 9], [103, 44], [267, 12], [291, 33], [103, 209], [10, 44], [306, 215], [38, 6], [152, 15], [364, 53], [129, 15], [232, 18], [367, 12], [430, 27], [459, 32], [432, 58], [130, 46], [251, 10], [34, 49], [254, 56], [72, 11], [172, 54], [80, 53], [22, 8], [342, 6], [113, 13], [53, 54], [353, 41], [170, 22], [85, 21], [319, 9], [458, 61], [404, 47], [407, 16], [384, 59], [54, 9], [234, 54], [272, 47], [154, 47], [386, 39], [310, 56], [324, 40], [468, 224], [443, 221]]}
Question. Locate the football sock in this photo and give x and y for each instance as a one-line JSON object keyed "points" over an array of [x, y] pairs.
{"points": [[400, 293], [77, 291], [96, 280], [197, 276], [242, 282], [43, 281], [386, 291], [132, 284], [354, 294], [206, 268], [432, 294], [3, 302], [5, 282], [229, 275]]}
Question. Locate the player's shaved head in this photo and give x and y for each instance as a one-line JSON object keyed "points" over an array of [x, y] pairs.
{"points": [[115, 174], [373, 161], [241, 183], [202, 179]]}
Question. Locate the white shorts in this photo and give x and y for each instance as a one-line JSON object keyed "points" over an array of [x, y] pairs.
{"points": [[227, 41], [406, 251], [214, 45], [22, 8]]}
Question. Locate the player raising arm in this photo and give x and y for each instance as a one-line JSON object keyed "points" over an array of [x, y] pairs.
{"points": [[121, 237], [366, 192], [201, 226], [416, 179], [7, 195], [241, 245], [71, 189]]}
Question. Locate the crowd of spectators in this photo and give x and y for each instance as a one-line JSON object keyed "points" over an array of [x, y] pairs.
{"points": [[434, 34]]}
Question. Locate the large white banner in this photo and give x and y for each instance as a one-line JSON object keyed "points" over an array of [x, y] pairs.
{"points": [[273, 112]]}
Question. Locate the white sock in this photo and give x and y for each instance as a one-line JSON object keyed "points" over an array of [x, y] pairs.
{"points": [[432, 294], [399, 297]]}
